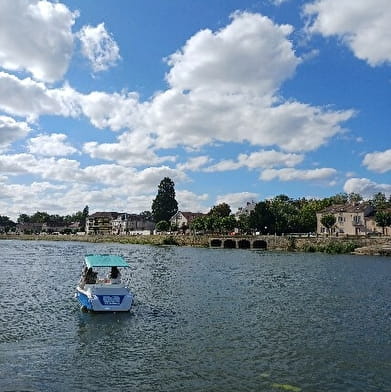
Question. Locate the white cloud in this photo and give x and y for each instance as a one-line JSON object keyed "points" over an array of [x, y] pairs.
{"points": [[198, 109], [190, 201], [251, 54], [51, 145], [361, 24], [290, 174], [135, 149], [256, 160], [378, 161], [36, 36], [236, 200], [366, 188], [31, 99], [195, 163], [11, 130], [99, 47]]}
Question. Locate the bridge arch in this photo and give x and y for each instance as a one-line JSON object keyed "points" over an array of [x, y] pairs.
{"points": [[244, 244], [259, 244], [216, 243], [229, 244]]}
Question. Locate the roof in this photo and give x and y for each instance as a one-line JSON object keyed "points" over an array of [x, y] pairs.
{"points": [[349, 208], [104, 214], [105, 261]]}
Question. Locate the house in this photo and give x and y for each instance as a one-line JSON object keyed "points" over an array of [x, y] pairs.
{"points": [[29, 228], [246, 210], [126, 223], [183, 219], [100, 222], [351, 219]]}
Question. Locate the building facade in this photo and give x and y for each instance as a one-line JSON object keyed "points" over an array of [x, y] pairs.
{"points": [[125, 224], [351, 219], [183, 219], [100, 223]]}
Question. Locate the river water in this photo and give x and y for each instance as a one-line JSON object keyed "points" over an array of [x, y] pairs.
{"points": [[203, 320]]}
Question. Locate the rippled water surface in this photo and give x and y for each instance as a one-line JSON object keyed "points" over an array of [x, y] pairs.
{"points": [[203, 320]]}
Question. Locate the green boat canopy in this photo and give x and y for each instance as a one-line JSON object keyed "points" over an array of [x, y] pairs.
{"points": [[105, 261]]}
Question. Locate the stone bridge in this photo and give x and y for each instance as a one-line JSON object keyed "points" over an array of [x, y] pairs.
{"points": [[259, 242]]}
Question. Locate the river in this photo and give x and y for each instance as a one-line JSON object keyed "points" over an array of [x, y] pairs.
{"points": [[203, 320]]}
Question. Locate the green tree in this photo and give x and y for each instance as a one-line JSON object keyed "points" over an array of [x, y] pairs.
{"points": [[6, 224], [24, 218], [383, 219], [328, 221], [228, 223], [164, 206], [261, 218], [379, 201], [147, 215], [162, 226], [83, 218], [198, 224], [221, 210]]}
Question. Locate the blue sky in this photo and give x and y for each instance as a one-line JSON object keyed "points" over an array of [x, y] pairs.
{"points": [[233, 100]]}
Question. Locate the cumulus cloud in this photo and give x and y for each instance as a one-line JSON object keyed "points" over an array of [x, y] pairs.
{"points": [[50, 145], [290, 174], [195, 163], [36, 36], [256, 160], [366, 188], [361, 24], [99, 47], [230, 60], [210, 97], [378, 161], [132, 148], [236, 200], [190, 201], [11, 130], [30, 99]]}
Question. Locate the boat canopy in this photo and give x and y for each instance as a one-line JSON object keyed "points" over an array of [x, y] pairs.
{"points": [[105, 261]]}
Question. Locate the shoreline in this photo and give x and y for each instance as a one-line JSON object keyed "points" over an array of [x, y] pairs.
{"points": [[379, 246]]}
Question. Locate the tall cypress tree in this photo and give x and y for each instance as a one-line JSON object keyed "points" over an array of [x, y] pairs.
{"points": [[164, 206]]}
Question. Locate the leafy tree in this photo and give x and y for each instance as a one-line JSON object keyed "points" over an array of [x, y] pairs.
{"points": [[354, 197], [24, 218], [221, 210], [243, 224], [147, 215], [228, 223], [164, 206], [379, 201], [83, 218], [262, 218], [328, 221], [339, 198], [6, 224], [198, 224], [162, 226], [383, 219]]}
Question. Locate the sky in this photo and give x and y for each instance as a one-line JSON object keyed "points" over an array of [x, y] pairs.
{"points": [[234, 100]]}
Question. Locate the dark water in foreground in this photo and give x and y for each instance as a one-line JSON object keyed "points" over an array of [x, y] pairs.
{"points": [[204, 320]]}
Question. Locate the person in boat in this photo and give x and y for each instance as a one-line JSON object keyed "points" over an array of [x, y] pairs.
{"points": [[90, 277], [115, 275]]}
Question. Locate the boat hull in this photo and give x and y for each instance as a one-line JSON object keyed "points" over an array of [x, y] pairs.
{"points": [[111, 298]]}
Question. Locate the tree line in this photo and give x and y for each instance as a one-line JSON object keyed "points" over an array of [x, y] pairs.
{"points": [[277, 215]]}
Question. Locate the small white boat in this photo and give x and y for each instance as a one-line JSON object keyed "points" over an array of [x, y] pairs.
{"points": [[103, 293]]}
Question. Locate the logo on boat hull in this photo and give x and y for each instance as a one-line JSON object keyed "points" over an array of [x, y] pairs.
{"points": [[110, 299]]}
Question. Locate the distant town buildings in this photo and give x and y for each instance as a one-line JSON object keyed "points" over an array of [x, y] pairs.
{"points": [[104, 223]]}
